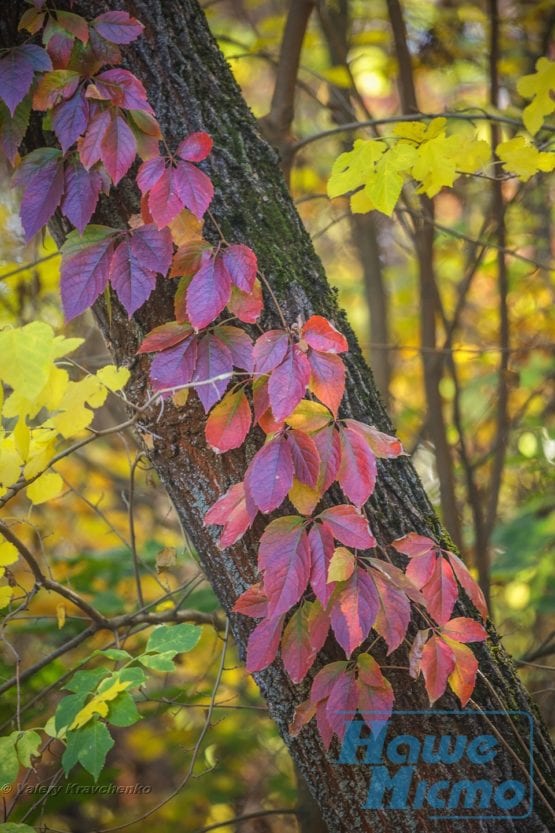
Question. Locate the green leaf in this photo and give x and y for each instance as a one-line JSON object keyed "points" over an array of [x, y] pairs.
{"points": [[115, 654], [84, 682], [159, 662], [179, 638], [92, 234], [9, 763], [27, 745], [68, 709], [11, 827], [136, 676], [89, 747], [123, 711]]}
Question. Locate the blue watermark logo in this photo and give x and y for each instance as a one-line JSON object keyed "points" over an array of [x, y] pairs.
{"points": [[417, 762]]}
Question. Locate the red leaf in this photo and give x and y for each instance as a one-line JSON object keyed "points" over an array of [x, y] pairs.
{"points": [[239, 344], [342, 703], [270, 474], [118, 27], [193, 187], [381, 444], [229, 422], [118, 148], [321, 335], [468, 584], [235, 512], [188, 258], [85, 269], [174, 367], [82, 189], [240, 261], [263, 644], [163, 337], [357, 472], [306, 459], [287, 384], [150, 172], [327, 379], [304, 713], [269, 350], [438, 661], [375, 694], [464, 630], [348, 526], [252, 602], [322, 546], [393, 617], [208, 292], [329, 449], [324, 680], [303, 637], [353, 610], [163, 202], [421, 568], [214, 359], [122, 88], [414, 545], [90, 145], [195, 147], [247, 306], [462, 679], [440, 591], [284, 557], [398, 579]]}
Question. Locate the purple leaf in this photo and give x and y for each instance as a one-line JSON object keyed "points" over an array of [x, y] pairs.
{"points": [[36, 56], [322, 546], [288, 382], [70, 118], [16, 77], [90, 146], [239, 344], [269, 350], [193, 187], [132, 280], [270, 474], [195, 147], [85, 271], [163, 202], [174, 367], [208, 292], [82, 189], [149, 173], [306, 458], [124, 89], [240, 261], [42, 176], [118, 148], [354, 610], [284, 557], [154, 247], [214, 359], [118, 27]]}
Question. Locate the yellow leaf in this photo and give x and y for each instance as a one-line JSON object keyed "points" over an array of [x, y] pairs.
{"points": [[22, 438], [539, 86], [385, 188], [115, 378], [304, 498], [61, 615], [342, 565], [361, 202], [338, 76], [10, 463], [521, 158], [309, 416], [6, 594], [99, 704], [46, 487], [436, 165], [185, 228], [352, 169], [8, 554]]}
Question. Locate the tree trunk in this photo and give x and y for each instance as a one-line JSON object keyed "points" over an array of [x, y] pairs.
{"points": [[191, 88]]}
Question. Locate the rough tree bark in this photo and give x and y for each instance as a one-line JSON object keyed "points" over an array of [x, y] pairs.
{"points": [[191, 88]]}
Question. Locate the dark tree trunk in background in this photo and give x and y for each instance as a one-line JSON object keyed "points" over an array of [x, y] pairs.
{"points": [[191, 88]]}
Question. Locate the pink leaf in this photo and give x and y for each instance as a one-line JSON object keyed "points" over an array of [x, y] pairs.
{"points": [[163, 201], [393, 616], [208, 292], [463, 629], [375, 694], [239, 344], [357, 472], [263, 644], [195, 147], [468, 584], [118, 148], [175, 366], [124, 89], [342, 703], [287, 384], [440, 591], [325, 679], [90, 146], [118, 27], [247, 306], [329, 449], [214, 359], [421, 568], [82, 189], [149, 173], [321, 335], [240, 261], [438, 661], [414, 545], [85, 272], [229, 422], [284, 557], [270, 474], [262, 412], [353, 610], [306, 459], [252, 602], [348, 526], [327, 379], [235, 512], [383, 445], [165, 336], [303, 637], [269, 350], [193, 187], [321, 545]]}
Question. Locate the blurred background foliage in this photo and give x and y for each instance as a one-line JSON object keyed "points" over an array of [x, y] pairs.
{"points": [[86, 532]]}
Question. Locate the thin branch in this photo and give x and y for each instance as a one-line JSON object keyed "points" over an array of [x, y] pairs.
{"points": [[26, 266], [245, 817]]}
